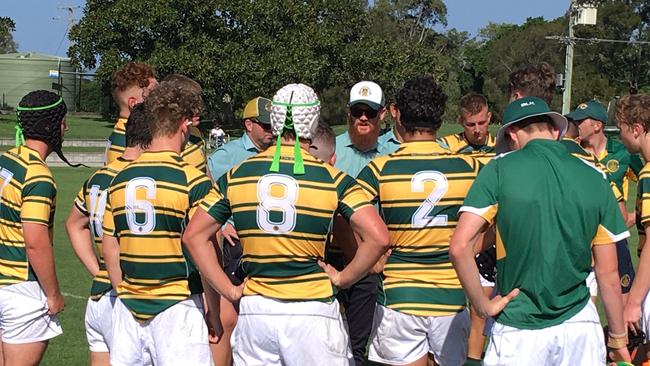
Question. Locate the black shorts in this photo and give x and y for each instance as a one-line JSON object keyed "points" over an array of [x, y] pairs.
{"points": [[232, 263], [625, 267]]}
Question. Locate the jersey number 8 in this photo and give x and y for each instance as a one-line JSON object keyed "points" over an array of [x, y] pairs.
{"points": [[284, 204]]}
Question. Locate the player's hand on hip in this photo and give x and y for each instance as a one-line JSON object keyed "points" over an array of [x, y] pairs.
{"points": [[632, 316], [333, 274], [236, 292], [230, 234], [55, 304], [498, 303]]}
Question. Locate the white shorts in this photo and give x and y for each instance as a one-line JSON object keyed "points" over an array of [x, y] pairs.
{"points": [[577, 341], [275, 332], [592, 283], [23, 314], [398, 338], [177, 336], [99, 322]]}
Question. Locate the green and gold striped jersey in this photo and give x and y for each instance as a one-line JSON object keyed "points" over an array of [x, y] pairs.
{"points": [[148, 205], [420, 188], [643, 204], [459, 144], [116, 141], [27, 195], [283, 220], [194, 151], [579, 152], [91, 200]]}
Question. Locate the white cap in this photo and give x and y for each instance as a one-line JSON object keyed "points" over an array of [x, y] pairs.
{"points": [[305, 110], [367, 92]]}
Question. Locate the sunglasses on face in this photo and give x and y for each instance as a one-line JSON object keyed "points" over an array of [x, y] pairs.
{"points": [[358, 112], [265, 127]]}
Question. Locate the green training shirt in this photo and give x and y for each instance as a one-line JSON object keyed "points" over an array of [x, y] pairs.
{"points": [[549, 208]]}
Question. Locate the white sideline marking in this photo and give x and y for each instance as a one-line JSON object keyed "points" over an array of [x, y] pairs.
{"points": [[67, 294]]}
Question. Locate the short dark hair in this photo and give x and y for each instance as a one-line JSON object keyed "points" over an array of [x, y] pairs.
{"points": [[137, 128], [421, 103], [471, 104], [536, 80]]}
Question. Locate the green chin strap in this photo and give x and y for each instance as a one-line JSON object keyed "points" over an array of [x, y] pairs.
{"points": [[298, 165], [20, 137]]}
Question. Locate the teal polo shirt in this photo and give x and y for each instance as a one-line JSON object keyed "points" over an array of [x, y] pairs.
{"points": [[351, 160], [229, 155]]}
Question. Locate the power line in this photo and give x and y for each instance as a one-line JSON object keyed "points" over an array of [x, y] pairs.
{"points": [[565, 39]]}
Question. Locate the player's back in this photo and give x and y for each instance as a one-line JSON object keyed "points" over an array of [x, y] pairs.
{"points": [[550, 210], [91, 200], [420, 189], [148, 205], [28, 194], [283, 220], [116, 143]]}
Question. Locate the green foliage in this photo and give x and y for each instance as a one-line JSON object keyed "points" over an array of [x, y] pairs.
{"points": [[241, 49], [7, 43]]}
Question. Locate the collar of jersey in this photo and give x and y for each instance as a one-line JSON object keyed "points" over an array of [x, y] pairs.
{"points": [[423, 146], [489, 142], [30, 152], [158, 155], [285, 150]]}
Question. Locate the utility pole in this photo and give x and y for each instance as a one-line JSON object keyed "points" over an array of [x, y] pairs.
{"points": [[568, 62], [70, 15]]}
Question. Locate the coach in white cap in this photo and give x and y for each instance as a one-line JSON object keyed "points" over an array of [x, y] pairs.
{"points": [[355, 148]]}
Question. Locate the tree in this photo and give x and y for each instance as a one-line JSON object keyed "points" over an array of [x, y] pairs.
{"points": [[7, 43], [243, 49]]}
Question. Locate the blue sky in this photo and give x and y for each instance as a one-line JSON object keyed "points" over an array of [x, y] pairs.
{"points": [[37, 31]]}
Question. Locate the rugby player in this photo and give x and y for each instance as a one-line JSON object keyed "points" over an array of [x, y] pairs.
{"points": [[30, 297], [84, 228], [159, 312], [282, 202], [419, 189], [551, 211], [130, 85]]}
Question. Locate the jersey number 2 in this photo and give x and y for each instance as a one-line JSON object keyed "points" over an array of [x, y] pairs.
{"points": [[285, 204], [422, 217]]}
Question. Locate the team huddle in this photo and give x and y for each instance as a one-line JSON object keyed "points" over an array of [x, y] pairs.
{"points": [[293, 246]]}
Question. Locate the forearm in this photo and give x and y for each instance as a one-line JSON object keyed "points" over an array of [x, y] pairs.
{"points": [[111, 253], [41, 260], [642, 279], [467, 271], [205, 257], [82, 246], [367, 255], [610, 290]]}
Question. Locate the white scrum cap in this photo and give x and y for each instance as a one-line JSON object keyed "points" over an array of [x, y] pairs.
{"points": [[304, 107]]}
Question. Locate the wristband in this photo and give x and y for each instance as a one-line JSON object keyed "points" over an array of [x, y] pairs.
{"points": [[617, 341]]}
